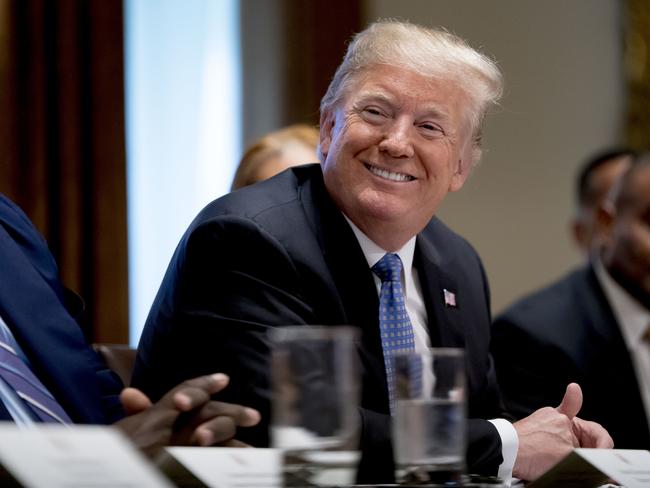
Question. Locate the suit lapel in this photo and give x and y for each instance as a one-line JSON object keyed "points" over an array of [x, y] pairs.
{"points": [[352, 283], [602, 319], [51, 340], [445, 329], [607, 359], [351, 277]]}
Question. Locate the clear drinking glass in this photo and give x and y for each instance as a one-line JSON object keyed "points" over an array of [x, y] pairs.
{"points": [[429, 418], [315, 394]]}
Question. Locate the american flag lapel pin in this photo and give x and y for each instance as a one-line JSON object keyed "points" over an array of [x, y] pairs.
{"points": [[450, 298]]}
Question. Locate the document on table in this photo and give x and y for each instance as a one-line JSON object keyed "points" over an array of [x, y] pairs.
{"points": [[57, 456], [221, 467], [591, 467]]}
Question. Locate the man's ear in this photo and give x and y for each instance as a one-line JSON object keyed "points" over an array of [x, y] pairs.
{"points": [[605, 217], [469, 152], [326, 131], [603, 236], [579, 233], [461, 172]]}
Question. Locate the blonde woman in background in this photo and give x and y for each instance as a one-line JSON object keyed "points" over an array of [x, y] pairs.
{"points": [[275, 152]]}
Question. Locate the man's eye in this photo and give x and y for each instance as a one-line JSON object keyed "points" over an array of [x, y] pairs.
{"points": [[373, 111], [431, 128]]}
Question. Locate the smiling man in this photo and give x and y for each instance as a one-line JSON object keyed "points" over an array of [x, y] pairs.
{"points": [[400, 128], [392, 148]]}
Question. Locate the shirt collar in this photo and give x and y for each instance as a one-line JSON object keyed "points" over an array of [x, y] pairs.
{"points": [[374, 252], [632, 317]]}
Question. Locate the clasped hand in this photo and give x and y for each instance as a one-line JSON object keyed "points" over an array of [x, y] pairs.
{"points": [[549, 434], [186, 415]]}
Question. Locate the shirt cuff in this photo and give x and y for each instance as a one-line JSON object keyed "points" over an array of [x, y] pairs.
{"points": [[509, 448]]}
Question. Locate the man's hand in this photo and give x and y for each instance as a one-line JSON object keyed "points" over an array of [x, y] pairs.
{"points": [[592, 434], [549, 434], [184, 416]]}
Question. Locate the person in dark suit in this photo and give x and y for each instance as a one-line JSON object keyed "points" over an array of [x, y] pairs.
{"points": [[589, 326], [399, 128], [37, 324]]}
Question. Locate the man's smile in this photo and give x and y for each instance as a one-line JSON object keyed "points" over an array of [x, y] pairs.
{"points": [[389, 175]]}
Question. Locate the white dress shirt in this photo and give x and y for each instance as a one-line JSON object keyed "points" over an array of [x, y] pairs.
{"points": [[418, 315], [633, 319]]}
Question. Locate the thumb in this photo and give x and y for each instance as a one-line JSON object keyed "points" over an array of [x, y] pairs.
{"points": [[572, 401], [134, 401]]}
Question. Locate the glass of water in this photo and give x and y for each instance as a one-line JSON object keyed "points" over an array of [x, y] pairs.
{"points": [[315, 395], [429, 417]]}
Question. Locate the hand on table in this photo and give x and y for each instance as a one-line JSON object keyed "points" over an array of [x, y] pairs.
{"points": [[186, 415], [549, 434]]}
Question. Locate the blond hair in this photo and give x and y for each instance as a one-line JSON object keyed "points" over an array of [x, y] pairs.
{"points": [[271, 146], [431, 52]]}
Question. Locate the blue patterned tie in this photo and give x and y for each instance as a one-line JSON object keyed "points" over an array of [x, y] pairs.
{"points": [[27, 386], [394, 323]]}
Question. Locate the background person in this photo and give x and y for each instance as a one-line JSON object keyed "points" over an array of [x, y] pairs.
{"points": [[592, 326], [594, 182], [276, 152], [400, 127], [48, 373]]}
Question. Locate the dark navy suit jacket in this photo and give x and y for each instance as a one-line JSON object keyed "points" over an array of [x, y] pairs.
{"points": [[280, 253], [566, 333], [39, 311]]}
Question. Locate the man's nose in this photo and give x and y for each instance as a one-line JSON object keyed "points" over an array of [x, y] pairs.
{"points": [[396, 142]]}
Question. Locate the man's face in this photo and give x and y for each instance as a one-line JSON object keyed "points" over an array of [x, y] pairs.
{"points": [[393, 148], [627, 245], [600, 183]]}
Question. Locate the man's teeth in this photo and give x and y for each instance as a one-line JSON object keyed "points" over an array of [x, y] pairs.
{"points": [[389, 175]]}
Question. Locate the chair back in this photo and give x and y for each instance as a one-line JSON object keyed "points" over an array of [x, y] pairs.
{"points": [[118, 357]]}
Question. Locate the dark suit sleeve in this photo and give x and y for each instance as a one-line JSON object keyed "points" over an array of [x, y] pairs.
{"points": [[62, 336], [484, 448], [377, 465], [532, 372], [228, 283], [109, 386], [31, 243]]}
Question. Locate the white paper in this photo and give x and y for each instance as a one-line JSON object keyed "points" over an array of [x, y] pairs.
{"points": [[629, 468], [593, 467], [221, 467], [57, 456]]}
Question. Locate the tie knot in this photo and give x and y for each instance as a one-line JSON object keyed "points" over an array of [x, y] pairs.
{"points": [[388, 268]]}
